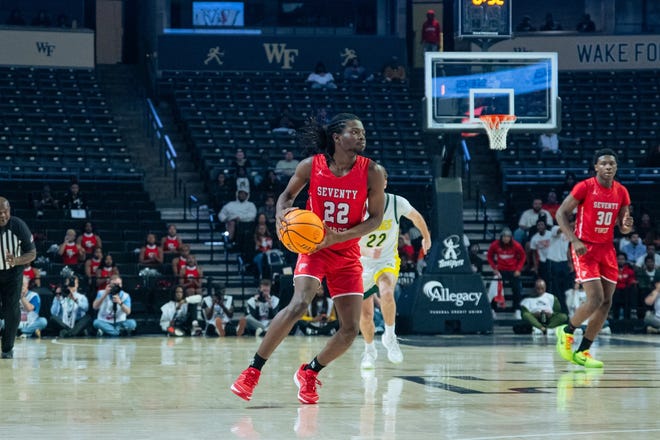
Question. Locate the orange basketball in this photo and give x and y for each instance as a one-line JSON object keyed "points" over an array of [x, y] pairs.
{"points": [[301, 231]]}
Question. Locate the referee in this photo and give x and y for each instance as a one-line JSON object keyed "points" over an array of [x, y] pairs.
{"points": [[16, 249]]}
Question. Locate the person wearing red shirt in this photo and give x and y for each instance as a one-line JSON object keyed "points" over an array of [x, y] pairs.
{"points": [[191, 277], [71, 252], [624, 294], [507, 257], [92, 264], [105, 271], [33, 274], [171, 243], [343, 186], [601, 203], [89, 240], [431, 33], [178, 263], [151, 255]]}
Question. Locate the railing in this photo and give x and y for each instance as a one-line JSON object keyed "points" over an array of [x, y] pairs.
{"points": [[167, 156], [466, 173]]}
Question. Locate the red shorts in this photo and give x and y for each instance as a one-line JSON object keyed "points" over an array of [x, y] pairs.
{"points": [[342, 270], [599, 262]]}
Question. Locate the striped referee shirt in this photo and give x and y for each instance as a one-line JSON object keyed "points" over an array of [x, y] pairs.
{"points": [[15, 239]]}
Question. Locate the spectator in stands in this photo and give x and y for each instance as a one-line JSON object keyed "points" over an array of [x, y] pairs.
{"points": [[647, 277], [219, 315], [151, 255], [107, 270], [175, 319], [239, 211], [89, 240], [114, 307], [287, 166], [221, 191], [406, 253], [586, 24], [68, 312], [528, 220], [575, 297], [285, 122], [262, 308], [320, 78], [91, 266], [541, 311], [42, 19], [551, 204], [394, 71], [16, 18], [354, 72], [624, 295], [549, 143], [507, 258], [179, 262], [240, 161], [271, 184], [650, 252], [171, 243], [73, 199], [550, 23], [539, 245], [525, 25], [33, 275], [646, 229], [430, 33], [263, 242], [635, 249], [322, 117], [30, 303], [71, 252], [267, 210], [475, 259], [242, 179], [559, 263], [568, 184], [652, 319], [191, 277], [320, 317], [44, 201]]}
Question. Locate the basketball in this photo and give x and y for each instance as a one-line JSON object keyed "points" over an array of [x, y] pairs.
{"points": [[301, 231]]}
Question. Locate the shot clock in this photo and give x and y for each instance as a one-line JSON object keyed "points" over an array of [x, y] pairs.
{"points": [[484, 19]]}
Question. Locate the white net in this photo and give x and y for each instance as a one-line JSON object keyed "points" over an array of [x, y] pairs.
{"points": [[497, 127]]}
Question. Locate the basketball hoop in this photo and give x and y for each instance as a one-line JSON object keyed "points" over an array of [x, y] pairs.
{"points": [[497, 126]]}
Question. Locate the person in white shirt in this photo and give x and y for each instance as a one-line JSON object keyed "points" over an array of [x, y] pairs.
{"points": [[528, 220], [542, 311], [114, 306], [539, 246], [219, 313], [574, 299], [287, 166], [321, 78], [174, 318], [650, 252], [559, 264], [240, 210], [68, 313], [652, 319], [549, 143], [30, 303], [262, 308]]}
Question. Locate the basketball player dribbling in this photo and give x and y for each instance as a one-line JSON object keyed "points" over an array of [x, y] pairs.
{"points": [[380, 262], [601, 204], [341, 182]]}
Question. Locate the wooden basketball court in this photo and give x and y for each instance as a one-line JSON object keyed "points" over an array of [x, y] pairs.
{"points": [[456, 387]]}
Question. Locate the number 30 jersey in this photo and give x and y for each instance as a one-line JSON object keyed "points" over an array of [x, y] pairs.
{"points": [[341, 202], [598, 210], [386, 236]]}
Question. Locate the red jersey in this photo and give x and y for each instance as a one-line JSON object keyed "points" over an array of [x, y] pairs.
{"points": [[341, 202], [70, 255], [150, 252], [507, 258], [191, 276], [171, 244], [29, 272], [182, 264], [626, 277], [94, 264], [88, 242], [431, 32], [598, 210], [106, 273]]}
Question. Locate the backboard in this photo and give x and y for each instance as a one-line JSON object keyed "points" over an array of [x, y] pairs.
{"points": [[461, 86]]}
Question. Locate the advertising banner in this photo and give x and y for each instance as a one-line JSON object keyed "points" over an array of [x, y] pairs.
{"points": [[49, 48]]}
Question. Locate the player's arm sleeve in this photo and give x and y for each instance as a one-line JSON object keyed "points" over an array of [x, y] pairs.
{"points": [[579, 191], [25, 236]]}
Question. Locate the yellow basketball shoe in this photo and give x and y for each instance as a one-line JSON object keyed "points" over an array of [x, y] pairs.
{"points": [[584, 358], [564, 344]]}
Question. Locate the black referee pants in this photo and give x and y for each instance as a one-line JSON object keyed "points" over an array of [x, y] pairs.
{"points": [[11, 282]]}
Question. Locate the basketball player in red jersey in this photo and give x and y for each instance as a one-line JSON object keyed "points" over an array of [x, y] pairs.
{"points": [[601, 203], [341, 182]]}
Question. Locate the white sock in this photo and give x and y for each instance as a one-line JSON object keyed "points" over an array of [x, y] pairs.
{"points": [[369, 347], [389, 331]]}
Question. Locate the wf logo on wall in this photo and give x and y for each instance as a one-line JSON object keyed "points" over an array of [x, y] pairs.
{"points": [[45, 48], [436, 292], [451, 252], [278, 53]]}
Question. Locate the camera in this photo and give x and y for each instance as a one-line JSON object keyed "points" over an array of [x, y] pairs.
{"points": [[69, 282], [114, 290]]}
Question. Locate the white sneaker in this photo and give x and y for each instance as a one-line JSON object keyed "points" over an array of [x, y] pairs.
{"points": [[536, 332], [605, 331], [577, 332], [368, 360], [393, 351], [517, 315]]}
